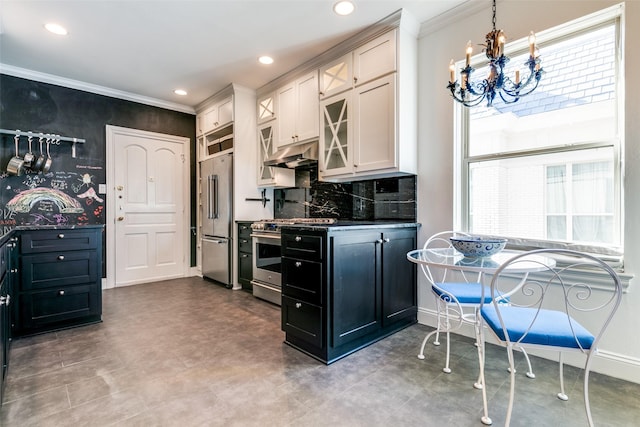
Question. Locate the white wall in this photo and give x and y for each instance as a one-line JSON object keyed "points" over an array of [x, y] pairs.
{"points": [[445, 38]]}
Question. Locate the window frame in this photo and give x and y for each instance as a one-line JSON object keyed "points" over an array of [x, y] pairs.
{"points": [[461, 122]]}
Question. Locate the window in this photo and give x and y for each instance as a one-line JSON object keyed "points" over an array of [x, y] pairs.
{"points": [[546, 171]]}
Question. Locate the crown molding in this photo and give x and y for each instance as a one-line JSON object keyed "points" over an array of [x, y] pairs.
{"points": [[451, 16], [88, 87]]}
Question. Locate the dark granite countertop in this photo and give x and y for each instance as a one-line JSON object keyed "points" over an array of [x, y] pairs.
{"points": [[351, 225], [8, 232]]}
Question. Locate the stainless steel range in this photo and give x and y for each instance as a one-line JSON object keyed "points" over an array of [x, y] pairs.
{"points": [[265, 234]]}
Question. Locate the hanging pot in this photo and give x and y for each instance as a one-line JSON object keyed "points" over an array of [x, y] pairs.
{"points": [[40, 161], [47, 164], [16, 164], [29, 157]]}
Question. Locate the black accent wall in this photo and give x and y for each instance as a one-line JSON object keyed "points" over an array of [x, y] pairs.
{"points": [[72, 184]]}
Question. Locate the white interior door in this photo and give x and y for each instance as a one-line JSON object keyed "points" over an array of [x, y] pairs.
{"points": [[148, 179]]}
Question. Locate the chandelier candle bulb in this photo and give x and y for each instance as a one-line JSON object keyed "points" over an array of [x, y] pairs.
{"points": [[469, 52], [452, 72], [532, 44], [517, 76], [501, 39]]}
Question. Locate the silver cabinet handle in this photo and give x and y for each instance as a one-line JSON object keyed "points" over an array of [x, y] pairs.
{"points": [[60, 236], [298, 305], [298, 264], [245, 256], [60, 257], [61, 293], [3, 300], [298, 238], [385, 240], [379, 241]]}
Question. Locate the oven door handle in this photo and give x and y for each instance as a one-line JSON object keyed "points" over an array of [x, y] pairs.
{"points": [[266, 236]]}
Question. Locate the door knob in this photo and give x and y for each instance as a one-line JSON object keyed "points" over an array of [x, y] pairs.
{"points": [[120, 218]]}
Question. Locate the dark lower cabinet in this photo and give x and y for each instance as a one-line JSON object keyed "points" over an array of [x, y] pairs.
{"points": [[344, 289], [245, 255], [8, 273], [60, 283]]}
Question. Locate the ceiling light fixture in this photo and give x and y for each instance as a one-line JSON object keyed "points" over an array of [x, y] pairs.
{"points": [[180, 92], [344, 8], [266, 60], [470, 93], [56, 29]]}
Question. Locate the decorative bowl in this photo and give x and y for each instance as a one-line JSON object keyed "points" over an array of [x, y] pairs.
{"points": [[478, 247]]}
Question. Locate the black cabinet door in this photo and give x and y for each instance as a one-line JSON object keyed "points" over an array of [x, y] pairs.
{"points": [[302, 321], [399, 299], [245, 270], [4, 331], [43, 308], [356, 285]]}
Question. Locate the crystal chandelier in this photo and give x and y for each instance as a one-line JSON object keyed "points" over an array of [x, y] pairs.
{"points": [[470, 93]]}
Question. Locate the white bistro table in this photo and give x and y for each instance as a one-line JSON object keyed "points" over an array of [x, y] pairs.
{"points": [[451, 259]]}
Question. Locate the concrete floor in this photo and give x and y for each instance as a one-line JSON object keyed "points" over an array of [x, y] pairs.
{"points": [[191, 353]]}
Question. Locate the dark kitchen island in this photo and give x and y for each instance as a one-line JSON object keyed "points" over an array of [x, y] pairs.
{"points": [[346, 285]]}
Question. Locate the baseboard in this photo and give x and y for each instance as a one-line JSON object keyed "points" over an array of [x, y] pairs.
{"points": [[606, 362]]}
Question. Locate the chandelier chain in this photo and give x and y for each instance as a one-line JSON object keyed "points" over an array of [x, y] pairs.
{"points": [[493, 9]]}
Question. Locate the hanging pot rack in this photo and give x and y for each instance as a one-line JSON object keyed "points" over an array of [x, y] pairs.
{"points": [[73, 140]]}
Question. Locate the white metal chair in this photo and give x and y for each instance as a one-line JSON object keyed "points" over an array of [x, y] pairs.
{"points": [[457, 301], [544, 309]]}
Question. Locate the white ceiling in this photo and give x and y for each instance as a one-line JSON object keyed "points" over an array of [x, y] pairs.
{"points": [[149, 48]]}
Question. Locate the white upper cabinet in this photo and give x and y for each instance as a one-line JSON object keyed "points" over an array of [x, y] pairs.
{"points": [[374, 125], [266, 107], [336, 76], [216, 116], [379, 136], [336, 139], [297, 110], [271, 176], [375, 59]]}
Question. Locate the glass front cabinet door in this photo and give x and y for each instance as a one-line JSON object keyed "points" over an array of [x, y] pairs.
{"points": [[265, 148], [336, 136], [336, 77]]}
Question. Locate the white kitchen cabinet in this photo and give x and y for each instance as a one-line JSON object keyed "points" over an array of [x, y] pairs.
{"points": [[336, 76], [266, 107], [271, 176], [297, 107], [336, 136], [375, 58], [216, 116], [381, 130]]}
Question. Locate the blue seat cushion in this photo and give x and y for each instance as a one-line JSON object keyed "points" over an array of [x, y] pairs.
{"points": [[465, 293], [549, 327]]}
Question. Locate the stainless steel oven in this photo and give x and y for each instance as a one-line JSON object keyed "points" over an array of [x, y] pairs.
{"points": [[266, 266], [267, 259]]}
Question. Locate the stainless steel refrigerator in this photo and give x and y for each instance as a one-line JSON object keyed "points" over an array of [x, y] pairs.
{"points": [[216, 177]]}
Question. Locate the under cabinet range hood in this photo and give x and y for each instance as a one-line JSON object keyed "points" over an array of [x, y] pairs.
{"points": [[293, 156]]}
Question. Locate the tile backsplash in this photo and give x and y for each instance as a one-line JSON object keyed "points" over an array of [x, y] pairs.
{"points": [[376, 199]]}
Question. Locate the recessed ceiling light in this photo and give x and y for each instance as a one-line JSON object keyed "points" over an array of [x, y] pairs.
{"points": [[180, 92], [267, 60], [343, 7], [56, 29]]}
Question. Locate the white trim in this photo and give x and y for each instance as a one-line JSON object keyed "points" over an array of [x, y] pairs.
{"points": [[111, 214], [88, 87]]}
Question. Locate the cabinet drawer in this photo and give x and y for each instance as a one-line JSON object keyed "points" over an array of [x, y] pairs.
{"points": [[41, 308], [302, 280], [58, 240], [244, 229], [302, 246], [58, 269], [245, 270], [244, 244], [302, 320]]}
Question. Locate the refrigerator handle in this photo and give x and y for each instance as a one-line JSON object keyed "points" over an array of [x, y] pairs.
{"points": [[209, 194], [215, 197]]}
